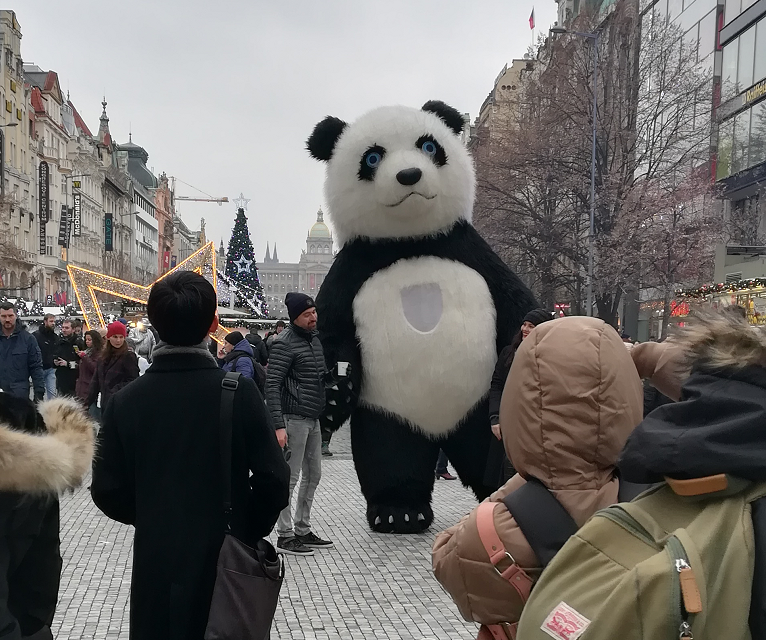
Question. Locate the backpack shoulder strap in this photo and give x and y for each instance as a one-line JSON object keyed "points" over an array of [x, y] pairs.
{"points": [[544, 522], [758, 599], [229, 386]]}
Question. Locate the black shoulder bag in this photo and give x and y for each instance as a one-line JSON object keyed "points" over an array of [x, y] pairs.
{"points": [[248, 579]]}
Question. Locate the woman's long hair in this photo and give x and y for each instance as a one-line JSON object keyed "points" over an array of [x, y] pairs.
{"points": [[514, 345], [97, 341], [110, 352]]}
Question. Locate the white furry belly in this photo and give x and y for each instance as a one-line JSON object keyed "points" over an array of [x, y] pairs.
{"points": [[427, 332]]}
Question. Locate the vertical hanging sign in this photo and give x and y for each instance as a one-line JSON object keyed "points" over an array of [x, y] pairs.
{"points": [[108, 232], [77, 215], [43, 203], [64, 227]]}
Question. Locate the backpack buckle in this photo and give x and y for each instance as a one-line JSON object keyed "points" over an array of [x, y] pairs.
{"points": [[229, 383]]}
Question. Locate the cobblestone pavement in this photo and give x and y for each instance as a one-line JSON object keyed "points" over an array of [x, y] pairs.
{"points": [[369, 586]]}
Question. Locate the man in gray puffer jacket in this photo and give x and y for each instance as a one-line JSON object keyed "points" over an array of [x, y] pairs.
{"points": [[295, 394]]}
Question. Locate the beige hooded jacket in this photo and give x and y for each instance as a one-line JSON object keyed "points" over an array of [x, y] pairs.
{"points": [[571, 399]]}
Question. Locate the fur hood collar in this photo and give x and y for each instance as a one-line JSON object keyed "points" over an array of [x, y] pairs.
{"points": [[51, 462], [721, 341]]}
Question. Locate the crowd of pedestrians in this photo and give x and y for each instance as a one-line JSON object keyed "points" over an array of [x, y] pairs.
{"points": [[579, 423]]}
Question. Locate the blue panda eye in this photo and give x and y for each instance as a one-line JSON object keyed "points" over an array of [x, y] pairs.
{"points": [[373, 159], [429, 148]]}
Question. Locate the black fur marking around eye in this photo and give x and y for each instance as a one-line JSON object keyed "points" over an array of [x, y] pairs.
{"points": [[440, 157], [451, 116], [366, 172], [321, 142]]}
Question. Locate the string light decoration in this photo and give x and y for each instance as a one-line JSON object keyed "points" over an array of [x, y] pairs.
{"points": [[740, 286], [240, 265], [87, 283]]}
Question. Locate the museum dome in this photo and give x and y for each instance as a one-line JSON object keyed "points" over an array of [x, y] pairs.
{"points": [[320, 229]]}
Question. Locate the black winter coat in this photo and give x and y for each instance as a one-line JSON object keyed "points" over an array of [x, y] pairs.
{"points": [[66, 376], [111, 376], [47, 340], [295, 380], [260, 351], [158, 468]]}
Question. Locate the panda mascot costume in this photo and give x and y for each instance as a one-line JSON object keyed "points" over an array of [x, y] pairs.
{"points": [[415, 308]]}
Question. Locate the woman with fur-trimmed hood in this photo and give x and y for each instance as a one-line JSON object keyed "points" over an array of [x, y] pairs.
{"points": [[43, 451]]}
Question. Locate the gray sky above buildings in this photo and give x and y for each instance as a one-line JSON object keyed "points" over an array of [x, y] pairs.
{"points": [[223, 95]]}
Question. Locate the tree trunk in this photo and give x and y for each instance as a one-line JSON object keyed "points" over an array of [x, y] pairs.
{"points": [[666, 311]]}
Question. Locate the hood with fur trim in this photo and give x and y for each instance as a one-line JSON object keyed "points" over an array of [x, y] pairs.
{"points": [[717, 426], [54, 460]]}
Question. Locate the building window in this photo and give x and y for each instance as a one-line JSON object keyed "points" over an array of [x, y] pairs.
{"points": [[742, 141], [744, 61]]}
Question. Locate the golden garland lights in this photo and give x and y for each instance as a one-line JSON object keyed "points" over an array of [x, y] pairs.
{"points": [[740, 286], [86, 283]]}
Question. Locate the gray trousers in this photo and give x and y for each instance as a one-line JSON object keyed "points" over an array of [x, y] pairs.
{"points": [[304, 439]]}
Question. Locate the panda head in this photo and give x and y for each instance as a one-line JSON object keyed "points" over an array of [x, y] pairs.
{"points": [[397, 172]]}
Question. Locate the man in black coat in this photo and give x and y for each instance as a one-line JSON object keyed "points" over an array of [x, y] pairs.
{"points": [[158, 466], [48, 340], [66, 360]]}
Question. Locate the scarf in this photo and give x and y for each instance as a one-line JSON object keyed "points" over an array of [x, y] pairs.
{"points": [[165, 349]]}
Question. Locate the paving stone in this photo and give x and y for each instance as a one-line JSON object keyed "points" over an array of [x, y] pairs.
{"points": [[369, 586]]}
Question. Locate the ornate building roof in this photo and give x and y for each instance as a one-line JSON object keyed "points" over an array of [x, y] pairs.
{"points": [[320, 229]]}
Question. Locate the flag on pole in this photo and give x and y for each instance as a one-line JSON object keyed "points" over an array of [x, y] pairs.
{"points": [[532, 19]]}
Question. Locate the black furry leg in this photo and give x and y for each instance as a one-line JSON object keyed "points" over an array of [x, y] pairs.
{"points": [[395, 467], [467, 450]]}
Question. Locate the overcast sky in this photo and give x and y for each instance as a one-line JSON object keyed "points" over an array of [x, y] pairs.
{"points": [[223, 95]]}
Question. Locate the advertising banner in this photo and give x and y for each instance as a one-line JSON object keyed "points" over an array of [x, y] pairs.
{"points": [[43, 203], [77, 215], [64, 226], [108, 232]]}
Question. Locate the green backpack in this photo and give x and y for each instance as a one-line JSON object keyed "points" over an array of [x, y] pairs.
{"points": [[663, 567]]}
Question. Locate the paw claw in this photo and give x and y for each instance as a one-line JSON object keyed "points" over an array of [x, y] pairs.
{"points": [[377, 520], [406, 517], [421, 516], [390, 519]]}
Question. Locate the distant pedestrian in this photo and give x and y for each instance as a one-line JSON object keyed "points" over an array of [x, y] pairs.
{"points": [[67, 359], [117, 367], [20, 357], [159, 466], [33, 460], [47, 340], [295, 392], [239, 358], [94, 347], [442, 472], [260, 351], [279, 327], [142, 340], [499, 469]]}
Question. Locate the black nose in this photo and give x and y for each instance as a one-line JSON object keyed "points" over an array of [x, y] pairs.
{"points": [[408, 177]]}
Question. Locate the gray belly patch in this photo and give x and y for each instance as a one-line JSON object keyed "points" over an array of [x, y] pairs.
{"points": [[422, 305]]}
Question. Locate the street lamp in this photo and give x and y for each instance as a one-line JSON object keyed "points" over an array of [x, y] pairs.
{"points": [[593, 37], [2, 158]]}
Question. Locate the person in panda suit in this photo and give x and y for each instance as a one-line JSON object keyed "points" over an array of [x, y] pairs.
{"points": [[415, 308]]}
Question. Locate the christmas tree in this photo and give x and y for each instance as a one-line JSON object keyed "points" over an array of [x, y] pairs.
{"points": [[240, 265]]}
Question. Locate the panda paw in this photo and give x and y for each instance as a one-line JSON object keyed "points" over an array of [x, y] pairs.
{"points": [[397, 519]]}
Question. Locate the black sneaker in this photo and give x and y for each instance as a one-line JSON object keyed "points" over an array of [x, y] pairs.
{"points": [[293, 546], [326, 450], [313, 541]]}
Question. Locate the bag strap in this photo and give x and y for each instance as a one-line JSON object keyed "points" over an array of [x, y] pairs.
{"points": [[544, 522], [493, 545], [502, 631], [229, 386]]}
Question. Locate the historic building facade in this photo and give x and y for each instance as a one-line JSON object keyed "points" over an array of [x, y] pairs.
{"points": [[306, 275]]}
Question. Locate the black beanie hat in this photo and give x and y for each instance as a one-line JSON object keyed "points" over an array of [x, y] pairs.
{"points": [[537, 316], [234, 337], [297, 303]]}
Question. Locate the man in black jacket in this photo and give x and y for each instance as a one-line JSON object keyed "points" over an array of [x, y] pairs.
{"points": [[295, 393], [48, 340], [66, 360], [158, 466]]}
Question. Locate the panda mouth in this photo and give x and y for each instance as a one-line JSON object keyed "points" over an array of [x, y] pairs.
{"points": [[411, 193]]}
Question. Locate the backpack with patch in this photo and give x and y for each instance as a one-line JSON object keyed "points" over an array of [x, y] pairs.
{"points": [[678, 562]]}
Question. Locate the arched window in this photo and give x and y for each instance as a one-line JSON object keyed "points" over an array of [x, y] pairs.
{"points": [[312, 249], [327, 248]]}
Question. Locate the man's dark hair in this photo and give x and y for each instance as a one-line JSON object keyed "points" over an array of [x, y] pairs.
{"points": [[7, 306], [182, 307], [280, 323], [48, 315]]}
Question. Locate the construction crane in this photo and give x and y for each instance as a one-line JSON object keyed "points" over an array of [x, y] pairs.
{"points": [[210, 198]]}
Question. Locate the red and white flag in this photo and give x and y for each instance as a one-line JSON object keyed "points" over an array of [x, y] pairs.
{"points": [[532, 19]]}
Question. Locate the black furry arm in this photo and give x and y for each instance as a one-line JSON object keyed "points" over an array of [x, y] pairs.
{"points": [[511, 296], [337, 333]]}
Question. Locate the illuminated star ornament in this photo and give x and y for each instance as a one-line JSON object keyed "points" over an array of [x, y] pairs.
{"points": [[86, 283], [241, 202], [243, 265]]}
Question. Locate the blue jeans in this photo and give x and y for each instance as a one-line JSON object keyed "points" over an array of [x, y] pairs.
{"points": [[304, 439], [50, 383]]}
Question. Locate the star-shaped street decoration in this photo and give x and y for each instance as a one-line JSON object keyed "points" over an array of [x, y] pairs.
{"points": [[241, 202], [86, 283], [243, 265]]}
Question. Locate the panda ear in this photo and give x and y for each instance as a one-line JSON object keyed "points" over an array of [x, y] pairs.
{"points": [[322, 140], [451, 116]]}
